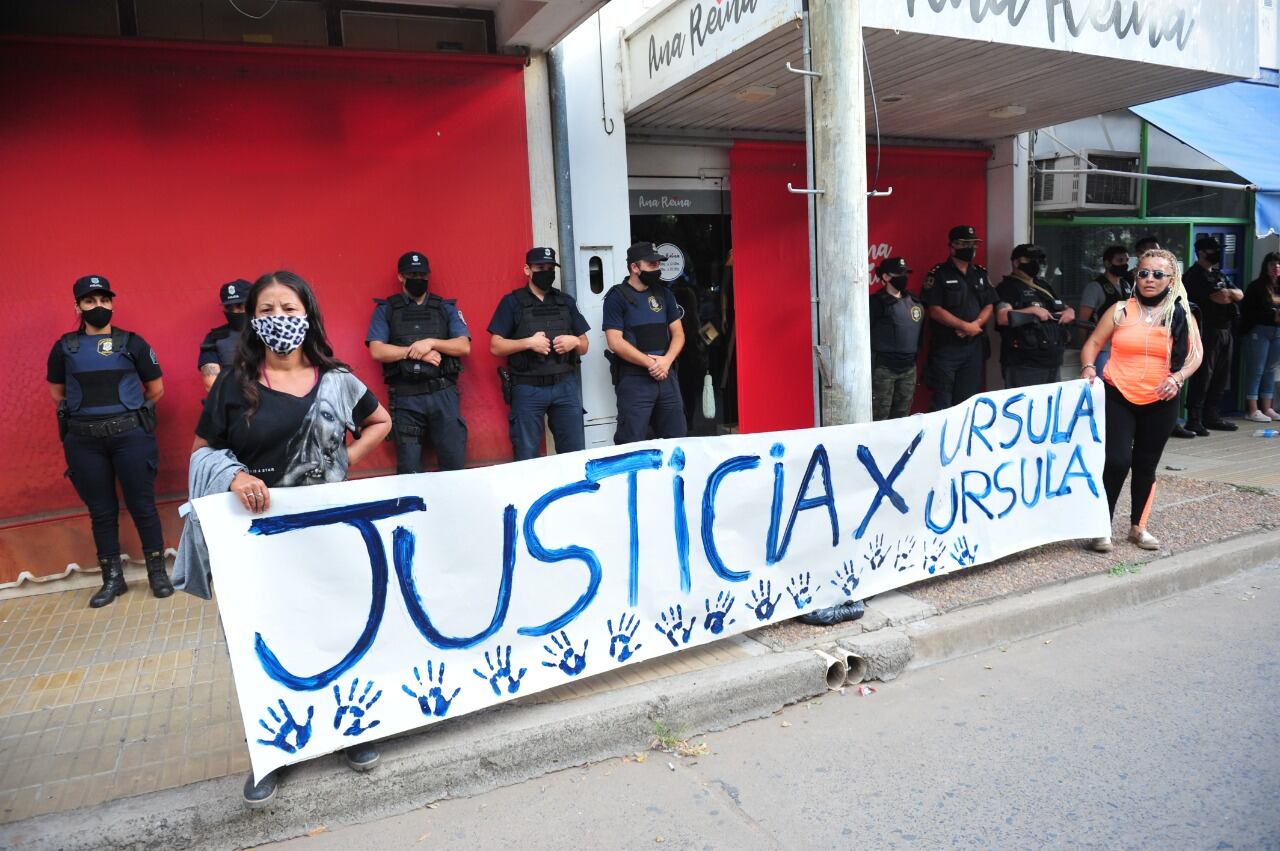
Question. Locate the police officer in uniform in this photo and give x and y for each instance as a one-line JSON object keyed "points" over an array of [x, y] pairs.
{"points": [[897, 324], [1033, 321], [420, 338], [1112, 285], [1216, 298], [105, 381], [218, 349], [543, 336], [958, 297], [643, 331]]}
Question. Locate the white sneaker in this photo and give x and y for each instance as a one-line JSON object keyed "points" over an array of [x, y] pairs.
{"points": [[1257, 417], [1271, 412], [1100, 545], [1144, 539]]}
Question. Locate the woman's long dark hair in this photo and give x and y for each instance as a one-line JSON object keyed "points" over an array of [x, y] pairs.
{"points": [[1272, 257], [251, 352]]}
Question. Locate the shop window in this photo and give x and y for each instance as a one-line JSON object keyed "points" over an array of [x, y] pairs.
{"points": [[291, 22], [1201, 202], [423, 33], [1074, 252], [54, 17]]}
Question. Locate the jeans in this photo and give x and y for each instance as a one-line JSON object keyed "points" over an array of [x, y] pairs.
{"points": [[95, 463], [435, 416], [560, 403], [643, 402], [1261, 362]]}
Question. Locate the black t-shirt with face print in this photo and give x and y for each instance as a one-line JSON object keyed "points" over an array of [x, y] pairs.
{"points": [[289, 440]]}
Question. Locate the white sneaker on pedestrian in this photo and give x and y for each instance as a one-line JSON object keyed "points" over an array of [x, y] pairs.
{"points": [[1271, 412], [1257, 417], [1144, 539], [1100, 545]]}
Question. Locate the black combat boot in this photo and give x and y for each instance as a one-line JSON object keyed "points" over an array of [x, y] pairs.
{"points": [[112, 582], [160, 585]]}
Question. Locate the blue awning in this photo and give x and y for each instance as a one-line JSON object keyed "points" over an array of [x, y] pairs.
{"points": [[1239, 126]]}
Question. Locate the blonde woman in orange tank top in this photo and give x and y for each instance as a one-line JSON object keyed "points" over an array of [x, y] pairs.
{"points": [[1155, 347]]}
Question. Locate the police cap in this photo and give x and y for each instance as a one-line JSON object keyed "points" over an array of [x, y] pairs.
{"points": [[893, 266], [90, 284], [234, 292], [644, 251], [1208, 243], [963, 232], [1027, 249], [413, 263], [541, 255]]}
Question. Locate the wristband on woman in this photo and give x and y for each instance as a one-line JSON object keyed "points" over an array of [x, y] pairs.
{"points": [[1085, 366]]}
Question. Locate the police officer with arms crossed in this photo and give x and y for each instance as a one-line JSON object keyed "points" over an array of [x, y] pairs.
{"points": [[419, 339], [540, 332], [897, 324], [105, 381], [643, 331], [1034, 323], [1217, 298], [959, 298], [218, 349]]}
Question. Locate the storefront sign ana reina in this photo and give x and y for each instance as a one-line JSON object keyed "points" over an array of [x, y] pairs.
{"points": [[689, 35], [1219, 36]]}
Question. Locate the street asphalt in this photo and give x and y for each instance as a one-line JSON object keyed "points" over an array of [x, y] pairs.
{"points": [[1152, 727]]}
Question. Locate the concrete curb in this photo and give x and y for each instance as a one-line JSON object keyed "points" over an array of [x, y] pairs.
{"points": [[473, 754], [1041, 610]]}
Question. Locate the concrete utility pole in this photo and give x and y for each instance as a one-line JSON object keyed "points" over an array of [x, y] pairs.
{"points": [[840, 166]]}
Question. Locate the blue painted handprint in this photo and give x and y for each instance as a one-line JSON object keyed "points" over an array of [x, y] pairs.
{"points": [[620, 646], [906, 548], [798, 588], [354, 709], [761, 603], [432, 700], [500, 670], [846, 579], [930, 554], [672, 621], [567, 659], [962, 554], [714, 622], [288, 727], [876, 558]]}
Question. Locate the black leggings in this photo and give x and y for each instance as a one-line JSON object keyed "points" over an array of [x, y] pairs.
{"points": [[1136, 435]]}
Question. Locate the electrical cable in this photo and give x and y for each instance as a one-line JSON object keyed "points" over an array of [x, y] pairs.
{"points": [[270, 9], [875, 111]]}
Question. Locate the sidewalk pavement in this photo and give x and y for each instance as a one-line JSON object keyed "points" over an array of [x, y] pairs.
{"points": [[136, 698]]}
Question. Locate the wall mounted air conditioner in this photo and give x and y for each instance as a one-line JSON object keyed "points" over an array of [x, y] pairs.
{"points": [[1073, 192]]}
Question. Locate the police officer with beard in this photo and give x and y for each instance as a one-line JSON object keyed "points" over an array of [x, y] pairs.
{"points": [[1033, 321], [420, 338], [218, 349], [543, 336], [959, 298], [897, 324]]}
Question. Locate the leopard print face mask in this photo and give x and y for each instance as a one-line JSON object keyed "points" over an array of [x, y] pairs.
{"points": [[281, 334]]}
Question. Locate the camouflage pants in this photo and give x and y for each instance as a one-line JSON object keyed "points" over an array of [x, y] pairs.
{"points": [[892, 391]]}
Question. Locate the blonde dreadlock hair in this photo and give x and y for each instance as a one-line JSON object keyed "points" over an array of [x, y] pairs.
{"points": [[1176, 290]]}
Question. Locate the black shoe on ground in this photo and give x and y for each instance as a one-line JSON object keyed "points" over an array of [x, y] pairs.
{"points": [[1179, 431], [113, 584], [362, 757], [1221, 425], [1197, 429], [263, 793], [156, 576]]}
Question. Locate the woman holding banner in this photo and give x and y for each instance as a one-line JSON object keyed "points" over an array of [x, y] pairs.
{"points": [[283, 411], [1154, 350]]}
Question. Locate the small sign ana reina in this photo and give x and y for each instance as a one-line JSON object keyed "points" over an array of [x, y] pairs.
{"points": [[706, 20]]}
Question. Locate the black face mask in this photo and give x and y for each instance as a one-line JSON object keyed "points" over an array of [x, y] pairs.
{"points": [[1152, 300], [1213, 257], [543, 279], [98, 317], [415, 287], [651, 279], [1030, 268], [899, 282], [1117, 270], [236, 320], [966, 254]]}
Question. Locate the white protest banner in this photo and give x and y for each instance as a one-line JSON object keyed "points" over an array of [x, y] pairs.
{"points": [[368, 608]]}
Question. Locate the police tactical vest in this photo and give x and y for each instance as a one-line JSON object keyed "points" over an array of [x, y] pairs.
{"points": [[102, 378], [1112, 294], [410, 322], [1042, 336], [552, 317], [652, 336], [223, 343], [899, 331]]}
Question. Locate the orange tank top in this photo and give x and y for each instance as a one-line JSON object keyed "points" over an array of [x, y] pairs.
{"points": [[1140, 353]]}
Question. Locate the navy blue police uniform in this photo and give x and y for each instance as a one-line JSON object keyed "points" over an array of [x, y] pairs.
{"points": [[425, 405], [542, 386], [644, 317], [1031, 349], [107, 430], [897, 326], [954, 368], [220, 344]]}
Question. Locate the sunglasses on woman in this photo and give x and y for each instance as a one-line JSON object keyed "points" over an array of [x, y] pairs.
{"points": [[1154, 273]]}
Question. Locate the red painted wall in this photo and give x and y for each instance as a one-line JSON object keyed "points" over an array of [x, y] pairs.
{"points": [[933, 189], [171, 169]]}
